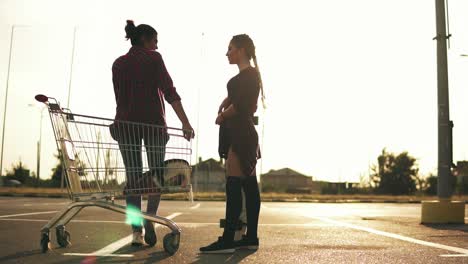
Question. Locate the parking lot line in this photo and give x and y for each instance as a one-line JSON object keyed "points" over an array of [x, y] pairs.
{"points": [[391, 235], [454, 255], [23, 220], [110, 249], [36, 213], [187, 224], [195, 206], [92, 255], [46, 204]]}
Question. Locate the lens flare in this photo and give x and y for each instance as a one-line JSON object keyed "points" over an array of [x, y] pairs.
{"points": [[133, 216]]}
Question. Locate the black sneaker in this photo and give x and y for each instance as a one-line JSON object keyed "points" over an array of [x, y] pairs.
{"points": [[246, 243], [218, 247], [150, 235]]}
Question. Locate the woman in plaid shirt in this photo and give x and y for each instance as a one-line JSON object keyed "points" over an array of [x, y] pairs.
{"points": [[141, 83]]}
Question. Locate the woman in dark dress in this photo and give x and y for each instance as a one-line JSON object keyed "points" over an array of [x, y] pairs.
{"points": [[238, 144]]}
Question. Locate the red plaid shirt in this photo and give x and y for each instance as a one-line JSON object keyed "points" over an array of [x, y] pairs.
{"points": [[140, 82]]}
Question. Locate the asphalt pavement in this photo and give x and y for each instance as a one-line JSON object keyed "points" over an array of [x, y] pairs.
{"points": [[289, 233]]}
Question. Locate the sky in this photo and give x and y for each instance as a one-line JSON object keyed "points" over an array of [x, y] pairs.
{"points": [[343, 79]]}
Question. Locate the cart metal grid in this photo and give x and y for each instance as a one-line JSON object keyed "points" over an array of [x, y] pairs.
{"points": [[105, 158]]}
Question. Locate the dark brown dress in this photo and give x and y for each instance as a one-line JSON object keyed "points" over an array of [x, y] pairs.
{"points": [[238, 132]]}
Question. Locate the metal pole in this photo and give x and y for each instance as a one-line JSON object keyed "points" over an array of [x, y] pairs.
{"points": [[71, 67], [444, 124], [262, 149], [195, 174], [39, 147], [38, 166], [6, 101]]}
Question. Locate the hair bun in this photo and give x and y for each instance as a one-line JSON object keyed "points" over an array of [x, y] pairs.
{"points": [[130, 29]]}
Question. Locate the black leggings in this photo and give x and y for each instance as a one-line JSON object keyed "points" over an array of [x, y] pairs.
{"points": [[130, 144], [234, 205]]}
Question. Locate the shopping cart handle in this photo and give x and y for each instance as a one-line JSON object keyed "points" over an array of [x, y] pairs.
{"points": [[41, 98]]}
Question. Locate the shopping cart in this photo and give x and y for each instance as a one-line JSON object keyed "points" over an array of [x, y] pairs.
{"points": [[94, 150]]}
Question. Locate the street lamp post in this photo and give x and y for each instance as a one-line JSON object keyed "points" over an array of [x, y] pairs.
{"points": [[445, 125], [6, 97], [443, 210], [6, 101], [39, 146], [71, 66]]}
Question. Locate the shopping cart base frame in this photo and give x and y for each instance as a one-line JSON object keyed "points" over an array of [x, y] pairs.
{"points": [[61, 219]]}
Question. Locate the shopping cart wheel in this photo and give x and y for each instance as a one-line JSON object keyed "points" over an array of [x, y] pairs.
{"points": [[63, 236], [171, 243], [45, 245]]}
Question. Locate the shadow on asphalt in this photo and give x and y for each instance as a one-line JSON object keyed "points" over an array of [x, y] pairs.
{"points": [[18, 255], [223, 258], [452, 227]]}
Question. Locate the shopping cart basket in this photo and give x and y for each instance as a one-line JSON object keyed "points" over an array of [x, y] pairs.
{"points": [[104, 159]]}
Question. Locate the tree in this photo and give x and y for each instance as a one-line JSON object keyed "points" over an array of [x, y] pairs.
{"points": [[20, 173], [431, 184], [395, 174], [57, 172]]}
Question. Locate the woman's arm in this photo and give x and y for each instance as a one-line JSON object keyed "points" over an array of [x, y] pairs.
{"points": [[226, 102], [179, 109], [229, 112]]}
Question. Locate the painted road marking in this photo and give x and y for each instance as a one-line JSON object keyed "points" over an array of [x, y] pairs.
{"points": [[453, 255], [190, 224], [11, 200], [195, 206], [92, 254], [391, 235], [24, 220], [37, 213], [110, 249], [36, 204], [193, 225]]}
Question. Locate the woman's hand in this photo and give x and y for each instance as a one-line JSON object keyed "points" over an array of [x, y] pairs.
{"points": [[221, 108], [188, 131], [219, 119]]}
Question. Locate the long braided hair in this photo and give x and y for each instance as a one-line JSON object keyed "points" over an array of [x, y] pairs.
{"points": [[245, 42]]}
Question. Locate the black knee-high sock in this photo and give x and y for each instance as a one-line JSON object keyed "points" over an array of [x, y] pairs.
{"points": [[233, 206], [252, 204]]}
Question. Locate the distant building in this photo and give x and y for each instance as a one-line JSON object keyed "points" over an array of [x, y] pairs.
{"points": [[337, 187], [462, 169], [288, 180], [461, 172], [208, 176]]}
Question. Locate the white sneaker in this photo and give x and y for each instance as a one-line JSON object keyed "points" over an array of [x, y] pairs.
{"points": [[137, 239]]}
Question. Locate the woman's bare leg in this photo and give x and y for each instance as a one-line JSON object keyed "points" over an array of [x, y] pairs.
{"points": [[233, 167]]}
